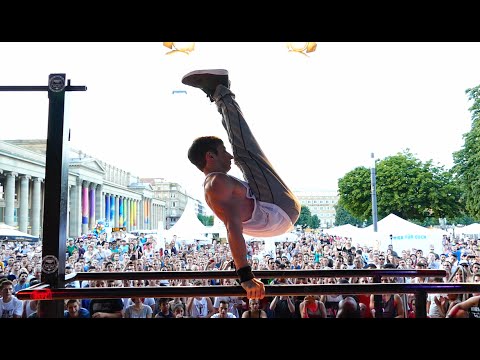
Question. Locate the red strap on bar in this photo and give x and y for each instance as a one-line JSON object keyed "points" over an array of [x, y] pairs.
{"points": [[41, 294]]}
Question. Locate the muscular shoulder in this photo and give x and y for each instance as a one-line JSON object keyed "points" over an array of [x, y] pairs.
{"points": [[219, 185]]}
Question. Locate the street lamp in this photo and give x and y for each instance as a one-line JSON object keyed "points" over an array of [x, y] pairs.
{"points": [[374, 193]]}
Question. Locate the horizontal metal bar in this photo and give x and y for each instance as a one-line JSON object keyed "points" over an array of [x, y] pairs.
{"points": [[270, 290], [262, 274], [40, 88]]}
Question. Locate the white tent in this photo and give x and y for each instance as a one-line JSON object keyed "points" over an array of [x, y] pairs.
{"points": [[346, 230], [9, 233], [217, 228], [403, 235], [472, 229], [188, 228]]}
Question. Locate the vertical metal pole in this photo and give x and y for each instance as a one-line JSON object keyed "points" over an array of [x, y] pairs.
{"points": [[374, 194], [377, 299], [421, 304], [56, 194]]}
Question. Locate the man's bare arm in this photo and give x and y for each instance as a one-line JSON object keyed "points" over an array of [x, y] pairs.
{"points": [[219, 194], [220, 198]]}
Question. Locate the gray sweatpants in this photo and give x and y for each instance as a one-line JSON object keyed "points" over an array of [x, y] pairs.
{"points": [[262, 178]]}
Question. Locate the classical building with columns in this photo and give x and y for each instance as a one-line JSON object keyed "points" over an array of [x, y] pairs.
{"points": [[97, 191], [175, 198]]}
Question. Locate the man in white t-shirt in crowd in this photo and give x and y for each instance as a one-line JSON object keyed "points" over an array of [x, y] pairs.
{"points": [[223, 311], [234, 302], [10, 306]]}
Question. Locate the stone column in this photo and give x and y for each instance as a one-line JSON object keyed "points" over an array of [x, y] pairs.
{"points": [[10, 198], [75, 209], [127, 213], [137, 214], [85, 210], [141, 218], [121, 211], [117, 202], [99, 203], [133, 214], [112, 210], [91, 203], [107, 210], [23, 208], [152, 216], [36, 206]]}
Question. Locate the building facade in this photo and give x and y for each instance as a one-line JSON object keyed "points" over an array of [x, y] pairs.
{"points": [[174, 197], [97, 191], [320, 203]]}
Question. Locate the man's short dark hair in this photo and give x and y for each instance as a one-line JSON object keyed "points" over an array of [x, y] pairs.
{"points": [[163, 301], [389, 266], [199, 147]]}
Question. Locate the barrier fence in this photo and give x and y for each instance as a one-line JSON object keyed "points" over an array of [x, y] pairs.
{"points": [[420, 290]]}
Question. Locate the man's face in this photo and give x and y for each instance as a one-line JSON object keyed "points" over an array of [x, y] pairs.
{"points": [[223, 158], [223, 309], [72, 308], [7, 291]]}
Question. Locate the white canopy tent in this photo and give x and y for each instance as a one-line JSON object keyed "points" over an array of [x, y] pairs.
{"points": [[472, 229], [188, 228], [346, 230], [9, 233], [402, 234], [217, 228]]}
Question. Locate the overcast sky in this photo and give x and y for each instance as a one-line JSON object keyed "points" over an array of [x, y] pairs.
{"points": [[316, 117]]}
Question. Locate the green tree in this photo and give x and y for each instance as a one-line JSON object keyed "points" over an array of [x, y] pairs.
{"points": [[467, 160], [342, 217], [314, 222], [405, 186], [205, 220], [305, 217], [354, 191]]}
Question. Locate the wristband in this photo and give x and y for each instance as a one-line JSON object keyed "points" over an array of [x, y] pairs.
{"points": [[245, 273]]}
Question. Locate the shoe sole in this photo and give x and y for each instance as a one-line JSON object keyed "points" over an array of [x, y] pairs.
{"points": [[196, 78]]}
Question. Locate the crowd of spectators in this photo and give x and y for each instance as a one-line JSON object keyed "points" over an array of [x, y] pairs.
{"points": [[20, 267]]}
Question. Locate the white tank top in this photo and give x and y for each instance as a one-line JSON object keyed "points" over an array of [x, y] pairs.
{"points": [[267, 219], [199, 308]]}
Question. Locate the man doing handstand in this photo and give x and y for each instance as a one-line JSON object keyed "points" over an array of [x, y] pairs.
{"points": [[261, 206]]}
